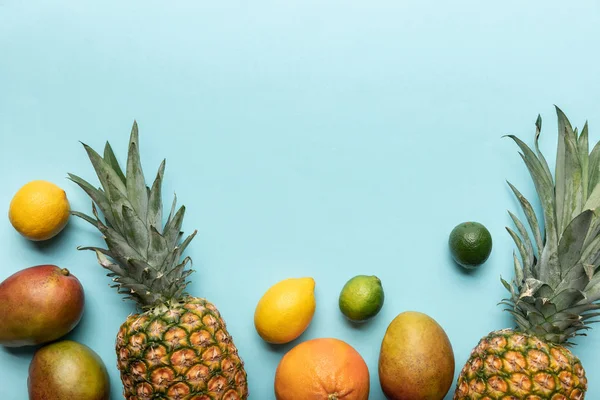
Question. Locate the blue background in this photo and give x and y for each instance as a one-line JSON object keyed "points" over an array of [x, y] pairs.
{"points": [[306, 138]]}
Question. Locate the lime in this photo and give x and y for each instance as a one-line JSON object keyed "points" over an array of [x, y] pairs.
{"points": [[470, 244], [361, 298]]}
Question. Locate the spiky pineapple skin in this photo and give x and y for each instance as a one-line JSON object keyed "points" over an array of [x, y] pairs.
{"points": [[511, 365], [182, 351]]}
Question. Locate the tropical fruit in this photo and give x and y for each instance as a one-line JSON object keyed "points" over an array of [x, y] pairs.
{"points": [[39, 210], [556, 285], [285, 310], [176, 345], [67, 370], [416, 359], [470, 244], [361, 298], [39, 304], [323, 368]]}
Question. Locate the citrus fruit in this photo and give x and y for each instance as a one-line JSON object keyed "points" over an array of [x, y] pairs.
{"points": [[470, 244], [361, 298], [285, 310], [323, 368], [39, 210]]}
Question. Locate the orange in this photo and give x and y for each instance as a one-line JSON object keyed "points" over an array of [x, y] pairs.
{"points": [[322, 369], [39, 210]]}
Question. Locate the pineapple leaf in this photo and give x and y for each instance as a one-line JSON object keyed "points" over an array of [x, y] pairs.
{"points": [[136, 232], [158, 249], [104, 172], [594, 166], [573, 195], [571, 242], [96, 195], [543, 162], [173, 228], [524, 251], [565, 131], [519, 274], [526, 242], [564, 299], [111, 159], [531, 218], [591, 254], [85, 217], [117, 201], [155, 200], [136, 184], [549, 257], [173, 206], [106, 263], [592, 290], [181, 248], [583, 148]]}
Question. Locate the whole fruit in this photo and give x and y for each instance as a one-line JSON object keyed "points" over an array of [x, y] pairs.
{"points": [[39, 304], [470, 244], [285, 310], [361, 298], [416, 360], [324, 368], [39, 210], [67, 370]]}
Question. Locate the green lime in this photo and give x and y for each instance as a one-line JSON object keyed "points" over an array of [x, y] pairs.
{"points": [[361, 298], [470, 244]]}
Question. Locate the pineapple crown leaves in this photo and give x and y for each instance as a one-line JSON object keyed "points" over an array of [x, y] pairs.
{"points": [[556, 284], [143, 257]]}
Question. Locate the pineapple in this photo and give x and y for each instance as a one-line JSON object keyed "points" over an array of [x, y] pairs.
{"points": [[175, 346], [556, 286]]}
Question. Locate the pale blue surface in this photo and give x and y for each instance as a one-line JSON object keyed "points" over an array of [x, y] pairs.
{"points": [[306, 138]]}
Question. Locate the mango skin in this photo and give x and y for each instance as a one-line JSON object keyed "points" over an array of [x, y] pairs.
{"points": [[67, 370], [38, 305], [416, 360]]}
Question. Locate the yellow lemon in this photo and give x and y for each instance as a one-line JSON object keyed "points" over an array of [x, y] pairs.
{"points": [[285, 310], [39, 210]]}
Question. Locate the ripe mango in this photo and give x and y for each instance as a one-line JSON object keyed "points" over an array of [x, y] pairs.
{"points": [[38, 305], [416, 360], [67, 370]]}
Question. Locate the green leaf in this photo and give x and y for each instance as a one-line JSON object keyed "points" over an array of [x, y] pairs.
{"points": [[565, 132], [85, 217], [96, 195], [173, 228], [594, 167], [105, 172], [549, 257], [111, 159], [136, 232], [136, 184], [155, 200], [571, 242], [173, 206], [158, 249], [525, 256], [185, 243], [519, 275], [573, 191], [525, 240], [543, 162], [583, 148], [531, 218], [567, 298], [591, 254]]}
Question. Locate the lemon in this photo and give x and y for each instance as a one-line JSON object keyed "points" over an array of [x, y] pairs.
{"points": [[39, 210], [285, 310], [470, 244], [361, 298]]}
